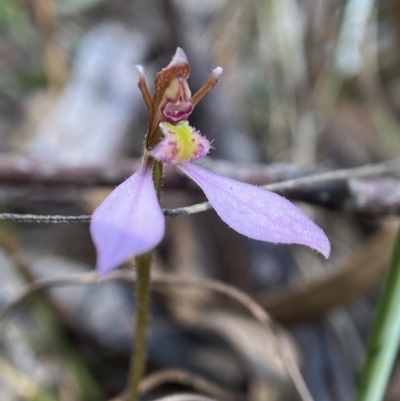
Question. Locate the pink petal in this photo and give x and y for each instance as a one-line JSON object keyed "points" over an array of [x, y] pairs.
{"points": [[256, 212], [129, 222]]}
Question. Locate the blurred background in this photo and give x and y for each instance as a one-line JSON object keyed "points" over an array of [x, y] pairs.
{"points": [[308, 86]]}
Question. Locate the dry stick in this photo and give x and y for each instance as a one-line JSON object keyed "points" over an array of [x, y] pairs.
{"points": [[296, 183], [20, 170], [17, 170], [170, 279]]}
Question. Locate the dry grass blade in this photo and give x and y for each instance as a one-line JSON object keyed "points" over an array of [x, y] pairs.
{"points": [[185, 378], [177, 397], [185, 397]]}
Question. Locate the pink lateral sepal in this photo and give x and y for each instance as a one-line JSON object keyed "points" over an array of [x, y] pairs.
{"points": [[129, 222], [256, 212]]}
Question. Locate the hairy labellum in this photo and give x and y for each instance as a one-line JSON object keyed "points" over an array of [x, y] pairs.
{"points": [[181, 143]]}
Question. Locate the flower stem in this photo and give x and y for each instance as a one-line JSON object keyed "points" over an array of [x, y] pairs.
{"points": [[143, 265], [157, 177], [138, 356]]}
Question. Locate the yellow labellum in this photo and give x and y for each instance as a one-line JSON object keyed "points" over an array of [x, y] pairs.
{"points": [[181, 143]]}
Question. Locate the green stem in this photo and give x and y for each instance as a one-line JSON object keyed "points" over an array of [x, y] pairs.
{"points": [[143, 265], [138, 356], [384, 337], [157, 177]]}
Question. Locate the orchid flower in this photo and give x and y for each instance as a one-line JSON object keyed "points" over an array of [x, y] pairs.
{"points": [[130, 221]]}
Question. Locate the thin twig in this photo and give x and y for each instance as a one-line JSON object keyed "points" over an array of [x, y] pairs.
{"points": [[280, 187], [158, 279], [188, 379], [329, 176], [38, 218]]}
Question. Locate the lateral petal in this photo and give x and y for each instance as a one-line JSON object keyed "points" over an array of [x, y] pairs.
{"points": [[256, 212], [129, 222]]}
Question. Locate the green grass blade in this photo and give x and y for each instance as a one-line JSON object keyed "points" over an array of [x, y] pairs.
{"points": [[384, 337]]}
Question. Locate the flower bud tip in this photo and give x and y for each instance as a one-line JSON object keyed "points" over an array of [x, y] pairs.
{"points": [[179, 57]]}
